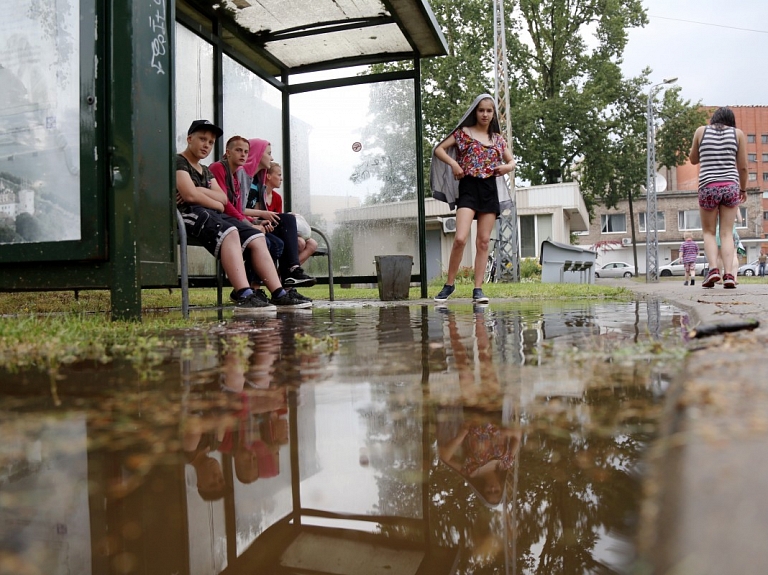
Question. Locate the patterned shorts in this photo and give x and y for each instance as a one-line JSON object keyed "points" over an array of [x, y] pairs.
{"points": [[710, 197], [690, 267]]}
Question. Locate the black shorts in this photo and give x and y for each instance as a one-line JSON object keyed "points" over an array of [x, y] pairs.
{"points": [[478, 194], [210, 227]]}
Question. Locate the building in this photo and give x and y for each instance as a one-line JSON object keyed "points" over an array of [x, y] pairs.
{"points": [[544, 212], [678, 208]]}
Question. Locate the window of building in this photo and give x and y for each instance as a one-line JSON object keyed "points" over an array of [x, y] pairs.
{"points": [[764, 139], [689, 220], [765, 216], [752, 157], [765, 176], [613, 223], [750, 138], [743, 223], [534, 230], [765, 157], [752, 176], [661, 225]]}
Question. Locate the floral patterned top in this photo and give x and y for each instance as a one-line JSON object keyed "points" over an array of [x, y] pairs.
{"points": [[485, 443], [477, 159]]}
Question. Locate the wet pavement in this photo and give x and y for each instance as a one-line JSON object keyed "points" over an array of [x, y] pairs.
{"points": [[351, 438], [707, 510]]}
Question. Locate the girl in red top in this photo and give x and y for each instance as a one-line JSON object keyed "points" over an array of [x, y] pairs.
{"points": [[478, 156], [274, 203]]}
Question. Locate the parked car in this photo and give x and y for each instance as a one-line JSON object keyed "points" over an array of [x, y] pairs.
{"points": [[615, 270], [676, 268], [749, 269]]}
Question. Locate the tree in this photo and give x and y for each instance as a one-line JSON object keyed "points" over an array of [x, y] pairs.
{"points": [[574, 115], [449, 85]]}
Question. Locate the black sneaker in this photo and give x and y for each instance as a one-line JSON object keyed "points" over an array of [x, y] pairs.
{"points": [[297, 295], [252, 302], [478, 296], [289, 300], [297, 277], [445, 293]]}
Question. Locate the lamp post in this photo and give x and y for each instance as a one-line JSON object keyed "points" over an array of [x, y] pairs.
{"points": [[651, 213]]}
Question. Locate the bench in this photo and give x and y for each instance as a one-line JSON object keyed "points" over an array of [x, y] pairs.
{"points": [[185, 242]]}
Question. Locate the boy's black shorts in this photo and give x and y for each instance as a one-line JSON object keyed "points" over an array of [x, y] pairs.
{"points": [[210, 227]]}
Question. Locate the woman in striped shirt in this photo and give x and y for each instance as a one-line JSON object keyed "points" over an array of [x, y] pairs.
{"points": [[720, 149]]}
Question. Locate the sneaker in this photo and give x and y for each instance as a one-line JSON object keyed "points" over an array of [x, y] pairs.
{"points": [[693, 282], [712, 278], [297, 277], [445, 293], [478, 296], [297, 295], [252, 302], [289, 300], [685, 283], [729, 282]]}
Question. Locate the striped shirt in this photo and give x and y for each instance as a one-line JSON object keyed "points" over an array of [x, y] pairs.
{"points": [[717, 156], [689, 250]]}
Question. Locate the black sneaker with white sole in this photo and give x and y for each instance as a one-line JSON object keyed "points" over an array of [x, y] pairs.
{"points": [[252, 302], [288, 300], [297, 295], [297, 277]]}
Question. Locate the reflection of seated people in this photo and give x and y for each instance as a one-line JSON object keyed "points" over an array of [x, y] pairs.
{"points": [[210, 478], [260, 432], [482, 452]]}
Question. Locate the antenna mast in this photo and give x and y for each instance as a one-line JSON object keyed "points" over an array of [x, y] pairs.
{"points": [[507, 251]]}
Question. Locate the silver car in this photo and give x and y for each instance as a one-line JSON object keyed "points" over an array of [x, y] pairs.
{"points": [[676, 267], [750, 269], [615, 270]]}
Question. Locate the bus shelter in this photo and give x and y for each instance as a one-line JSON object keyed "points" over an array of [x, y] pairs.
{"points": [[98, 97]]}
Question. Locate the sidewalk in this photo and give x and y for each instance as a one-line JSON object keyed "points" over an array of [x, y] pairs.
{"points": [[707, 496]]}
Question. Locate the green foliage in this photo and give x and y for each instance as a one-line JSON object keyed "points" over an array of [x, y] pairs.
{"points": [[530, 268], [574, 116], [28, 228]]}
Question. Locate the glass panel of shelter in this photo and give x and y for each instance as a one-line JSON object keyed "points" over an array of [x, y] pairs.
{"points": [[40, 111]]}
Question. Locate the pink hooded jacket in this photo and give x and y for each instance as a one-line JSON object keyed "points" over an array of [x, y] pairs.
{"points": [[247, 173]]}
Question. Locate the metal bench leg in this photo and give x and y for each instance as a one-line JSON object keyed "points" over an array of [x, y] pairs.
{"points": [[184, 267], [330, 260]]}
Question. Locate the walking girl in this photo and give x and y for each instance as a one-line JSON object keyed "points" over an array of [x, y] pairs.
{"points": [[720, 149], [469, 177]]}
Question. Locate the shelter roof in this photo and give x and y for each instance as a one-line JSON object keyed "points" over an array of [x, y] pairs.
{"points": [[290, 36]]}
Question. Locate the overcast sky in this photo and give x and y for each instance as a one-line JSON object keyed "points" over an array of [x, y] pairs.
{"points": [[720, 61]]}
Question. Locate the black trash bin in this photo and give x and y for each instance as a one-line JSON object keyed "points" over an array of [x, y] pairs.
{"points": [[394, 276]]}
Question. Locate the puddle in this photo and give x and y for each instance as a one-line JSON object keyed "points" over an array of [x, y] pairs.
{"points": [[396, 439]]}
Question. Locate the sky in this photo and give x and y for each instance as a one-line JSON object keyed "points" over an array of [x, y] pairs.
{"points": [[716, 49]]}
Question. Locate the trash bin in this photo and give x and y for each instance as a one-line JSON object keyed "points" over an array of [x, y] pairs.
{"points": [[394, 276]]}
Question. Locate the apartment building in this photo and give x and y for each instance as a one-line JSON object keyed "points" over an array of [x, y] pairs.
{"points": [[678, 214]]}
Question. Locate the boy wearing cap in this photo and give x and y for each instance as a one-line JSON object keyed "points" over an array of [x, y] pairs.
{"points": [[201, 202]]}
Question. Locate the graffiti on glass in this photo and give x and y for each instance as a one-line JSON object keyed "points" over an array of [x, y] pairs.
{"points": [[378, 166]]}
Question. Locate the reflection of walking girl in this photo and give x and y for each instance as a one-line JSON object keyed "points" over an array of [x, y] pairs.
{"points": [[474, 159]]}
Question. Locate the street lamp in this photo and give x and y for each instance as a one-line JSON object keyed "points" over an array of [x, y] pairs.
{"points": [[651, 224]]}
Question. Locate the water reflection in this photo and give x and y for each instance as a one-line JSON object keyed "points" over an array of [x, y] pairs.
{"points": [[433, 440]]}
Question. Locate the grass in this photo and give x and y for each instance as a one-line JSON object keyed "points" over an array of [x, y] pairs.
{"points": [[98, 301], [45, 330]]}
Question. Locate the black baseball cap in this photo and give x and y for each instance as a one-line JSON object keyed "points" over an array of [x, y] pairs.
{"points": [[199, 125]]}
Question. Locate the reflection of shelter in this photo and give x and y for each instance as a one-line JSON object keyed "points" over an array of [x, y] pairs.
{"points": [[125, 103]]}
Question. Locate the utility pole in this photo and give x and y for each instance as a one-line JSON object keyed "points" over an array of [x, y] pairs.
{"points": [[507, 249], [651, 212]]}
